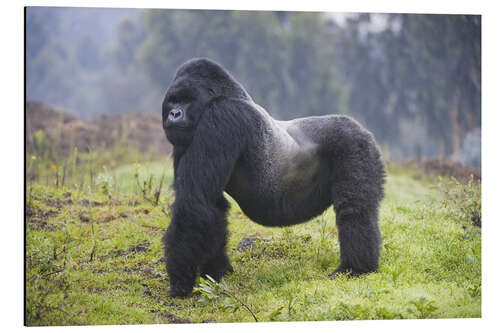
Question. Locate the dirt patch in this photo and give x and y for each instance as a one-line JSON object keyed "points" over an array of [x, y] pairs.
{"points": [[144, 270], [139, 248], [108, 218], [101, 219], [153, 229], [32, 211], [91, 203], [37, 218], [142, 247], [40, 224], [209, 321], [151, 272], [58, 203], [118, 253], [476, 220], [247, 243], [84, 218], [172, 318]]}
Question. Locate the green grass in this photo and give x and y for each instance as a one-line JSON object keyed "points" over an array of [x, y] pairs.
{"points": [[94, 256]]}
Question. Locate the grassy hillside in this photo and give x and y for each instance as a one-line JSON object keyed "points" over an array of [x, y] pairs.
{"points": [[94, 256]]}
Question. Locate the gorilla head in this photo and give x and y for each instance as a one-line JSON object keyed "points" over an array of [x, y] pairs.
{"points": [[280, 173], [195, 84]]}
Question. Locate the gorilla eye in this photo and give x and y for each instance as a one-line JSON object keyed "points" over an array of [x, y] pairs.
{"points": [[180, 97]]}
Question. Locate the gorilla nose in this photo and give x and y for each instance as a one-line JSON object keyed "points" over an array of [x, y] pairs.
{"points": [[176, 115]]}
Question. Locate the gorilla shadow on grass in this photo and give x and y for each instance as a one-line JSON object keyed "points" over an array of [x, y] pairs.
{"points": [[280, 172]]}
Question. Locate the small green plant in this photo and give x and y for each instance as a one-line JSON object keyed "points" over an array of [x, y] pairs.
{"points": [[387, 314], [396, 271], [212, 290], [346, 311], [424, 308], [104, 182], [42, 146], [324, 246], [147, 189], [463, 199], [47, 279], [474, 290], [290, 305], [274, 315]]}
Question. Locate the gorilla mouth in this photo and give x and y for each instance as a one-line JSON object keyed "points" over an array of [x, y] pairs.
{"points": [[175, 126], [179, 135]]}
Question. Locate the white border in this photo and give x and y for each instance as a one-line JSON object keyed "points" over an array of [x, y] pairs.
{"points": [[12, 106]]}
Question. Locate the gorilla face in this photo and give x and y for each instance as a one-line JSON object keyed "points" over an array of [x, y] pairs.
{"points": [[181, 110]]}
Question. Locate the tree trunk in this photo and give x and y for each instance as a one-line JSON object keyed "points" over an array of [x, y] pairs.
{"points": [[457, 131]]}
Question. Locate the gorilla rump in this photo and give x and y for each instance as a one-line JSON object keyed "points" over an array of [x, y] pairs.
{"points": [[280, 172]]}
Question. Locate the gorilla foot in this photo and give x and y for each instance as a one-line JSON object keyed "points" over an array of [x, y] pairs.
{"points": [[181, 293], [349, 272]]}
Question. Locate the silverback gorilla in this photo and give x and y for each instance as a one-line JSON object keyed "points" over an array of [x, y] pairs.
{"points": [[280, 172]]}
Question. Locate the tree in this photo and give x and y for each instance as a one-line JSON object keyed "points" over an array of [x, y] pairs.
{"points": [[442, 72]]}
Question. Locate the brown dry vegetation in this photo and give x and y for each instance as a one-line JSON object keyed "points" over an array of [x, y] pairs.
{"points": [[444, 168], [141, 130]]}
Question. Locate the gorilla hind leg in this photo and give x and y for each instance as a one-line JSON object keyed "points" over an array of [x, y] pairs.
{"points": [[359, 238], [358, 180]]}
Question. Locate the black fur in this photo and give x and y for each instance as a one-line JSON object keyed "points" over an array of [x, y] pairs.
{"points": [[280, 173]]}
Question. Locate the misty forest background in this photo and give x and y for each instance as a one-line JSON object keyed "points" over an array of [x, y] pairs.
{"points": [[413, 80]]}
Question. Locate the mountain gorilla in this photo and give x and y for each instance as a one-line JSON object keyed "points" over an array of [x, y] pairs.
{"points": [[280, 172]]}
